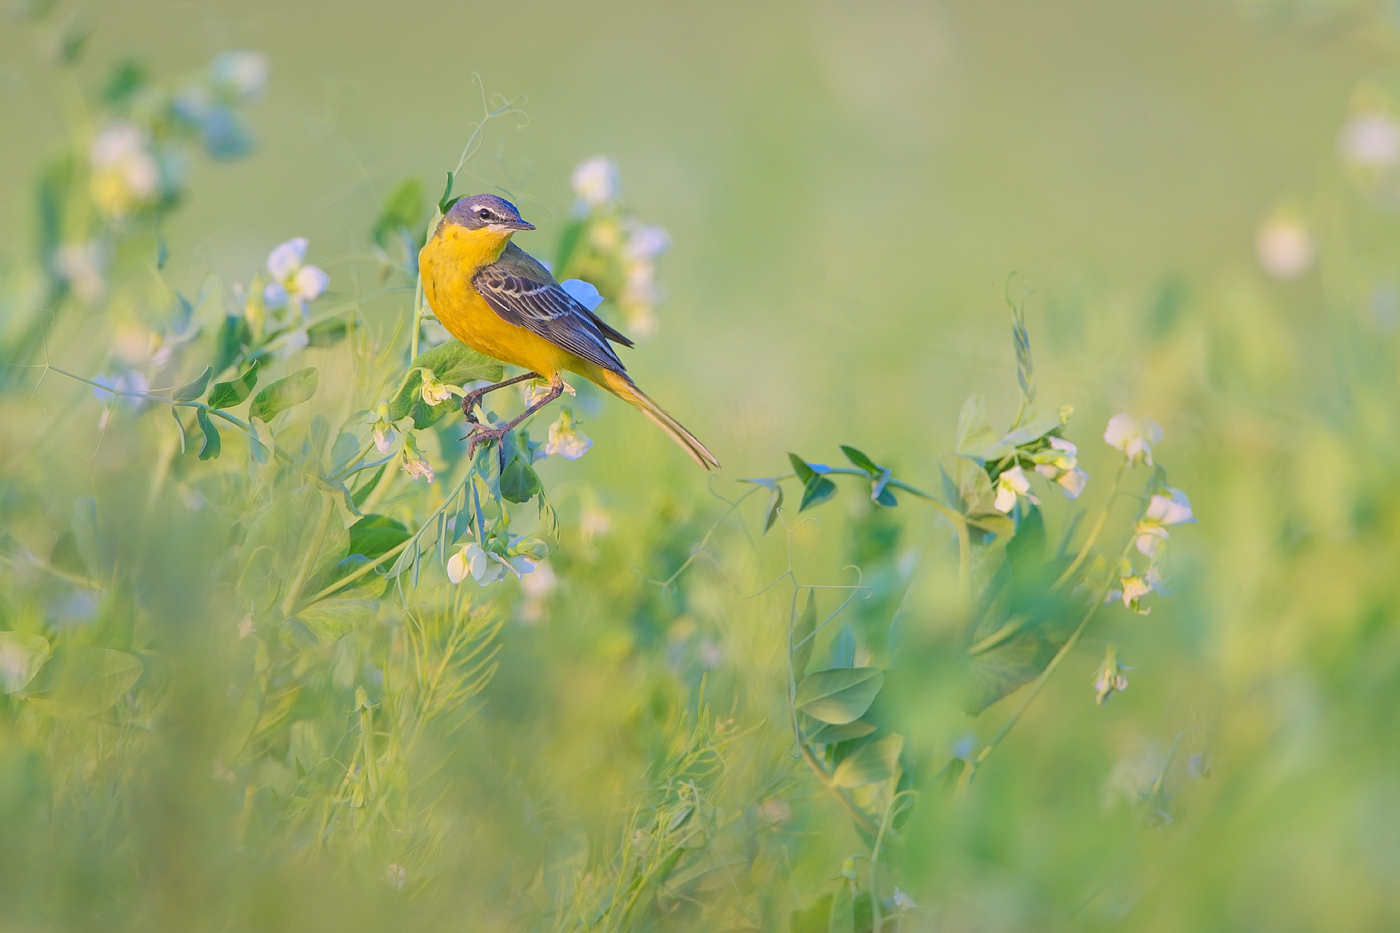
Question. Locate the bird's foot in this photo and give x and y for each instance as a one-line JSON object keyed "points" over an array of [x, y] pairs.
{"points": [[484, 435], [469, 403]]}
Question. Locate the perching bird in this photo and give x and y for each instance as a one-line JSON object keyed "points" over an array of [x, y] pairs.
{"points": [[499, 300]]}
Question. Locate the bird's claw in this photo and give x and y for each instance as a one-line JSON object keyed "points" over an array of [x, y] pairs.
{"points": [[482, 435], [469, 403]]}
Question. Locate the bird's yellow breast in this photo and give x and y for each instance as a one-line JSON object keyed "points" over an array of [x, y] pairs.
{"points": [[447, 263]]}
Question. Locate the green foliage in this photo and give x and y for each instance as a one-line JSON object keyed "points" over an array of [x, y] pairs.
{"points": [[284, 393], [359, 678], [231, 393]]}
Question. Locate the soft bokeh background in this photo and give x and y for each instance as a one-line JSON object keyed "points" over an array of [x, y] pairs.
{"points": [[847, 187]]}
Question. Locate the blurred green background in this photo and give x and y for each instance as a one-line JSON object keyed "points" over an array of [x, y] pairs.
{"points": [[848, 187]]}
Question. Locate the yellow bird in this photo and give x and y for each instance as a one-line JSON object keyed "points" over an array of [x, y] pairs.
{"points": [[499, 300]]}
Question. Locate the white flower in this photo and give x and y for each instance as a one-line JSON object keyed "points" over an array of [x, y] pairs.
{"points": [[903, 901], [1111, 678], [536, 389], [1133, 587], [1161, 511], [582, 292], [435, 392], [1010, 484], [486, 567], [1371, 141], [644, 241], [1284, 248], [565, 439], [125, 173], [81, 267], [1133, 436], [383, 436], [597, 182], [415, 464], [293, 281], [240, 73], [1059, 464]]}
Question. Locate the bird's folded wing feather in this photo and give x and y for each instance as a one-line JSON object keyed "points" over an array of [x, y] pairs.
{"points": [[523, 293]]}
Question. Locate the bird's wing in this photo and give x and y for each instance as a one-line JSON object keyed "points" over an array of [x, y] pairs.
{"points": [[523, 293]]}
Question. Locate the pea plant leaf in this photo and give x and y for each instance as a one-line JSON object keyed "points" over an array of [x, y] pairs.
{"points": [[829, 734], [451, 364], [233, 392], [212, 446], [871, 763], [21, 656], [859, 459], [839, 696], [81, 682], [817, 490], [285, 393], [194, 388]]}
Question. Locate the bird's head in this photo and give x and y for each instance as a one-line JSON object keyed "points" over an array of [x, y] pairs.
{"points": [[486, 212]]}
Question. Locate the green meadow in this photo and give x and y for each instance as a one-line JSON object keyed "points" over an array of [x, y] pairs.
{"points": [[1049, 582]]}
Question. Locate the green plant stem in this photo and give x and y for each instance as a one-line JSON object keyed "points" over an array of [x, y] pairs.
{"points": [[1039, 683], [840, 794], [1093, 532], [958, 520], [309, 560], [417, 318], [216, 412]]}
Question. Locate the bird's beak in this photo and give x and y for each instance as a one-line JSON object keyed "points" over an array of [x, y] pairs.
{"points": [[520, 225]]}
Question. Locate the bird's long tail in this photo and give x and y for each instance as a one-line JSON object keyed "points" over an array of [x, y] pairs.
{"points": [[618, 384]]}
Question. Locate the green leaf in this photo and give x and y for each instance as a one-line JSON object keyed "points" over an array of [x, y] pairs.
{"points": [[82, 682], [285, 393], [815, 919], [804, 470], [233, 337], [839, 696], [861, 460], [992, 522], [975, 437], [260, 443], [1006, 668], [444, 205], [212, 446], [452, 363], [966, 485], [332, 618], [519, 482], [456, 364], [233, 392], [804, 635], [375, 534], [1034, 426], [828, 734], [326, 334], [818, 490], [775, 502], [871, 763], [180, 426], [194, 388], [21, 656]]}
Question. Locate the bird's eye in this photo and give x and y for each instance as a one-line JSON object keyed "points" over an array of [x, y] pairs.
{"points": [[484, 214]]}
